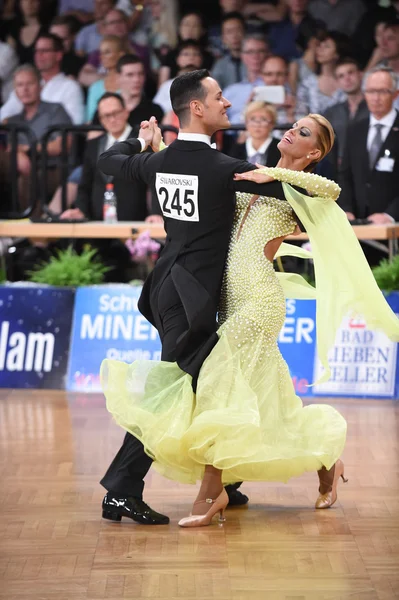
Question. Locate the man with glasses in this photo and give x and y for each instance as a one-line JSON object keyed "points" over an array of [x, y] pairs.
{"points": [[369, 174], [56, 86], [254, 51]]}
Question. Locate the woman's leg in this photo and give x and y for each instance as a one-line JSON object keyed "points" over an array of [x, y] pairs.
{"points": [[211, 488]]}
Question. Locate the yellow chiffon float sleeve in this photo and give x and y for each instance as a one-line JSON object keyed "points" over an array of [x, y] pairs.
{"points": [[344, 281]]}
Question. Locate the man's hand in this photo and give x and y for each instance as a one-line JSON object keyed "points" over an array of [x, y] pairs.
{"points": [[351, 216], [380, 219], [146, 132], [154, 219], [72, 213], [157, 139]]}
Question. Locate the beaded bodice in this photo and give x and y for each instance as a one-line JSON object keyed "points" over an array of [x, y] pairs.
{"points": [[252, 300]]}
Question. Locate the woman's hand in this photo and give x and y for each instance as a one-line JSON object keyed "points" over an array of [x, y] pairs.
{"points": [[255, 176]]}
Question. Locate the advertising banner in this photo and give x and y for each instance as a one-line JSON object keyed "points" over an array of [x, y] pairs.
{"points": [[107, 324], [363, 362], [35, 328]]}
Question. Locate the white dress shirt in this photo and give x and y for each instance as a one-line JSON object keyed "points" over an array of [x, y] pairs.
{"points": [[162, 97], [111, 140], [59, 88], [195, 137], [261, 150], [386, 122], [8, 64]]}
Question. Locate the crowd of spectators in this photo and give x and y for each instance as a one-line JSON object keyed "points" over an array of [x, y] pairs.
{"points": [[59, 58]]}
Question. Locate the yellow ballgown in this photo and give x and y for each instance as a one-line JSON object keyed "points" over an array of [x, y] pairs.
{"points": [[245, 417]]}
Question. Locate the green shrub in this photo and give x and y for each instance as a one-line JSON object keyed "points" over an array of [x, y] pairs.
{"points": [[387, 274], [69, 269]]}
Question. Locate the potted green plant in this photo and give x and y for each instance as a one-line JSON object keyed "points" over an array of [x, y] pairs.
{"points": [[70, 269], [387, 275]]}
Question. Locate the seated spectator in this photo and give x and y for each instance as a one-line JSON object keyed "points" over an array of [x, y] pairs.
{"points": [[260, 147], [131, 199], [338, 15], [353, 109], [56, 86], [89, 37], [215, 35], [26, 29], [116, 23], [275, 72], [71, 63], [253, 54], [369, 174], [319, 91], [289, 37], [191, 27], [111, 50], [82, 10], [39, 116], [8, 64], [189, 54], [377, 55], [161, 35], [230, 69], [390, 46]]}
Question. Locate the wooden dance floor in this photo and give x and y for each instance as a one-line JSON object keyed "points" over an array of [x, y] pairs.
{"points": [[54, 545]]}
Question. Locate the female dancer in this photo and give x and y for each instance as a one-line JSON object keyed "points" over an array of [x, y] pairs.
{"points": [[245, 421]]}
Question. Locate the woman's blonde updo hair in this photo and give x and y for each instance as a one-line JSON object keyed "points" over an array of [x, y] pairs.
{"points": [[325, 138]]}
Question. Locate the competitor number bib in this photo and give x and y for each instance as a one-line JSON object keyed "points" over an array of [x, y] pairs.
{"points": [[178, 196]]}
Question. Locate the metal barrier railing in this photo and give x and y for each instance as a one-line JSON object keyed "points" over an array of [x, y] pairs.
{"points": [[39, 178], [13, 129]]}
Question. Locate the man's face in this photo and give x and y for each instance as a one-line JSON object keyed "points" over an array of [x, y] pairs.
{"points": [[253, 55], [379, 94], [113, 116], [232, 34], [274, 72], [189, 56], [27, 88], [298, 5], [116, 24], [132, 79], [46, 58], [349, 78], [101, 7], [214, 106], [390, 43], [62, 31], [231, 5]]}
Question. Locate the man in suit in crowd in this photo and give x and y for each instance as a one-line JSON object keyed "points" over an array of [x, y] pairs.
{"points": [[195, 188], [369, 174], [354, 109]]}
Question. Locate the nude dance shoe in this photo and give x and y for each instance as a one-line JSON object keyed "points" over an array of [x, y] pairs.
{"points": [[330, 480], [216, 506]]}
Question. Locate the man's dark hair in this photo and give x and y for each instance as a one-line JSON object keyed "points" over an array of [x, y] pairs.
{"points": [[189, 44], [111, 95], [128, 59], [184, 89], [347, 60], [236, 16], [57, 41]]}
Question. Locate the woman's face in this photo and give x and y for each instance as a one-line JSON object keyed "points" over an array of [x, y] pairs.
{"points": [[156, 8], [110, 53], [259, 124], [326, 51], [190, 27], [30, 8], [301, 140]]}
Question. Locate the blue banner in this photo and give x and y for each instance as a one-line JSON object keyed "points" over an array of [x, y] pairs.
{"points": [[35, 330], [297, 342], [107, 324]]}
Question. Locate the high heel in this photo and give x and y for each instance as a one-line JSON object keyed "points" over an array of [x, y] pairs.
{"points": [[329, 498], [217, 506]]}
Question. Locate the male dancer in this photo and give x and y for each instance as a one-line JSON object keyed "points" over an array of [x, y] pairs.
{"points": [[196, 191]]}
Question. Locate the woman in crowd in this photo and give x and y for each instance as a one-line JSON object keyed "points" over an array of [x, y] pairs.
{"points": [[260, 147], [320, 90], [26, 29]]}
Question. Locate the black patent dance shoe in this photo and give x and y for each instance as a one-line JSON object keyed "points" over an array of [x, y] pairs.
{"points": [[236, 498], [116, 507]]}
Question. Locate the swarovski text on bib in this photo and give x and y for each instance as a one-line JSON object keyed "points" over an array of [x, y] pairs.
{"points": [[178, 196]]}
